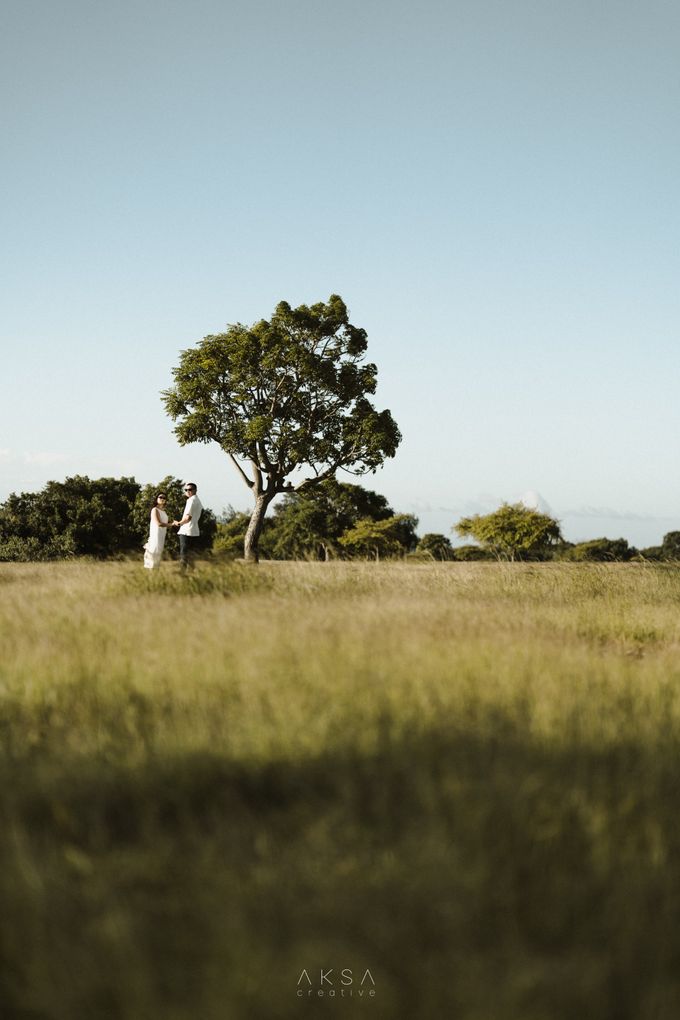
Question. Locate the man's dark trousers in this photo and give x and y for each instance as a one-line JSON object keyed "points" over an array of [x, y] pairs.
{"points": [[187, 551]]}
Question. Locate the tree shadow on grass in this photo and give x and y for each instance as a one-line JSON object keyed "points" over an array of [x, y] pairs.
{"points": [[476, 872]]}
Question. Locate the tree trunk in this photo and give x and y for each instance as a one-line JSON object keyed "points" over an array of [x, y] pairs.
{"points": [[252, 539]]}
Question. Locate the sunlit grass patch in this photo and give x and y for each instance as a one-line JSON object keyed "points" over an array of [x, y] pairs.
{"points": [[227, 578]]}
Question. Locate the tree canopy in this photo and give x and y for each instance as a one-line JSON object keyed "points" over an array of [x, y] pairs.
{"points": [[284, 396], [512, 532]]}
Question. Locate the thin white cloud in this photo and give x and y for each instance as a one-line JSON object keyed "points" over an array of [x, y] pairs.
{"points": [[38, 457], [461, 510], [43, 457], [601, 512]]}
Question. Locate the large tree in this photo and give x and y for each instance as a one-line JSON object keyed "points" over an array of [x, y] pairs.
{"points": [[285, 397]]}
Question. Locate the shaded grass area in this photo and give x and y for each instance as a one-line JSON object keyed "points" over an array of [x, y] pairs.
{"points": [[202, 887], [465, 781]]}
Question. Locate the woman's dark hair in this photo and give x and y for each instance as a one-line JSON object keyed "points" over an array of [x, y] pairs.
{"points": [[155, 499]]}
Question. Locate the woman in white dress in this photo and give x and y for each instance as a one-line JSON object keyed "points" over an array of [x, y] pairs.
{"points": [[158, 524]]}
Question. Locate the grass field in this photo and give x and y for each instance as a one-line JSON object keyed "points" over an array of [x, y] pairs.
{"points": [[464, 778]]}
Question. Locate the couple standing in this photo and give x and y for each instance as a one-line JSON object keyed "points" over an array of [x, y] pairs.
{"points": [[188, 529]]}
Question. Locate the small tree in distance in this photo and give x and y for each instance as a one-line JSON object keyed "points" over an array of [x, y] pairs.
{"points": [[285, 394], [512, 532], [435, 546], [670, 548], [388, 537]]}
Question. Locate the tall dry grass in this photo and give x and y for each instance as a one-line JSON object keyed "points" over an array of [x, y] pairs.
{"points": [[463, 777]]}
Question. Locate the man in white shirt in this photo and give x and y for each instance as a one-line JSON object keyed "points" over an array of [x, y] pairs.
{"points": [[188, 526]]}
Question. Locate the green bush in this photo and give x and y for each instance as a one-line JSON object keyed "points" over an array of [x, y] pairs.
{"points": [[434, 546], [470, 553], [600, 550], [32, 550]]}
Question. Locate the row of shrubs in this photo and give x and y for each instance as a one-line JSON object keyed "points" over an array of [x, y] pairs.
{"points": [[597, 550], [109, 517]]}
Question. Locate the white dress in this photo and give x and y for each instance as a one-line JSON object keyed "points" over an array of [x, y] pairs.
{"points": [[153, 550]]}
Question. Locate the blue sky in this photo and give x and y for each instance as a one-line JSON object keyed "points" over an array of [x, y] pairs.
{"points": [[491, 186]]}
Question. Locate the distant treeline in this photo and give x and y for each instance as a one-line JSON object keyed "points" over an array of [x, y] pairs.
{"points": [[109, 517]]}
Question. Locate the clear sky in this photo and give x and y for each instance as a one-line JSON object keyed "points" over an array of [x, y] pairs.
{"points": [[493, 186]]}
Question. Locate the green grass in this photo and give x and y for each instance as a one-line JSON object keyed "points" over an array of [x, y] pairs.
{"points": [[464, 777]]}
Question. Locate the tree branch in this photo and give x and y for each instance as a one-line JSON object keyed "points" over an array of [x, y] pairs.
{"points": [[306, 482], [240, 470]]}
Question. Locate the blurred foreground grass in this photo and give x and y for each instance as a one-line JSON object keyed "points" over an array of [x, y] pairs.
{"points": [[464, 777]]}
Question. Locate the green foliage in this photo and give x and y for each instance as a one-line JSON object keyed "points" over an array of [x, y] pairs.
{"points": [[600, 550], [285, 394], [229, 535], [512, 532], [670, 547], [310, 523], [652, 552], [85, 517], [472, 553], [668, 551], [32, 550], [79, 516], [230, 532], [435, 546], [376, 539]]}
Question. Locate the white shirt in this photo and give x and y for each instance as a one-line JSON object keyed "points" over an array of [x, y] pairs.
{"points": [[193, 507]]}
